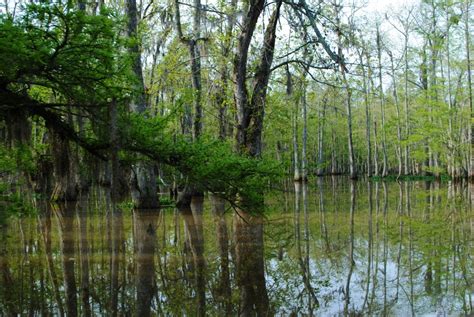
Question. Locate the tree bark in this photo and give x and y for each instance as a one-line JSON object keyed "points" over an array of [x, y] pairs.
{"points": [[382, 104], [195, 62], [397, 106], [65, 170], [321, 124], [144, 190], [289, 95], [250, 113], [221, 96], [304, 158], [367, 114], [469, 88], [348, 101]]}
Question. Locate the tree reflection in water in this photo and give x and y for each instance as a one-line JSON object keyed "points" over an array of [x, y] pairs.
{"points": [[192, 216], [249, 263], [223, 290], [67, 232], [144, 232], [345, 248]]}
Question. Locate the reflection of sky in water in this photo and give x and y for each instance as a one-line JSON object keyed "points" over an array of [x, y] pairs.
{"points": [[440, 234], [329, 279]]}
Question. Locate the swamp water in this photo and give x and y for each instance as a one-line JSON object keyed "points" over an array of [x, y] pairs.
{"points": [[329, 248]]}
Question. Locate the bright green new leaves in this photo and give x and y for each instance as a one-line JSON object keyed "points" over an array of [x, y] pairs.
{"points": [[210, 165]]}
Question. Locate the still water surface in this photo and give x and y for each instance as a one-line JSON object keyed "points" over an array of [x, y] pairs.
{"points": [[330, 248]]}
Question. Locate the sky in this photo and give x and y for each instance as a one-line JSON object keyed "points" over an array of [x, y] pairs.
{"points": [[384, 5]]}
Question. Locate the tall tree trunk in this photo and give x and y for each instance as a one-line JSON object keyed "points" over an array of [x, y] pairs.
{"points": [[407, 115], [424, 85], [451, 150], [221, 93], [114, 149], [250, 112], [304, 159], [467, 35], [367, 114], [376, 150], [434, 41], [290, 99], [144, 190], [348, 101], [382, 104], [195, 62], [321, 124], [397, 106]]}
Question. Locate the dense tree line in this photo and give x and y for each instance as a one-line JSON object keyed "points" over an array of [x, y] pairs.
{"points": [[203, 96]]}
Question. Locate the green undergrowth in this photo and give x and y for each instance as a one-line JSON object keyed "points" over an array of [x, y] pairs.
{"points": [[13, 203]]}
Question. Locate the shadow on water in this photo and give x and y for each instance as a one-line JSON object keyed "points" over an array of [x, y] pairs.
{"points": [[330, 248]]}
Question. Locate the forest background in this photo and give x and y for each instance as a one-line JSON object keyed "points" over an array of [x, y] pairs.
{"points": [[226, 96]]}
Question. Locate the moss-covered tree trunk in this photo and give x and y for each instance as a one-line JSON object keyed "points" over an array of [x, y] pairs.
{"points": [[65, 169]]}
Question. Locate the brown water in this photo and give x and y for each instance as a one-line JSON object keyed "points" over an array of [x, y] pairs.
{"points": [[332, 248]]}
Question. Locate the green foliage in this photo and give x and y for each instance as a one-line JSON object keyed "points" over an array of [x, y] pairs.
{"points": [[13, 203], [208, 164], [62, 49], [18, 158]]}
